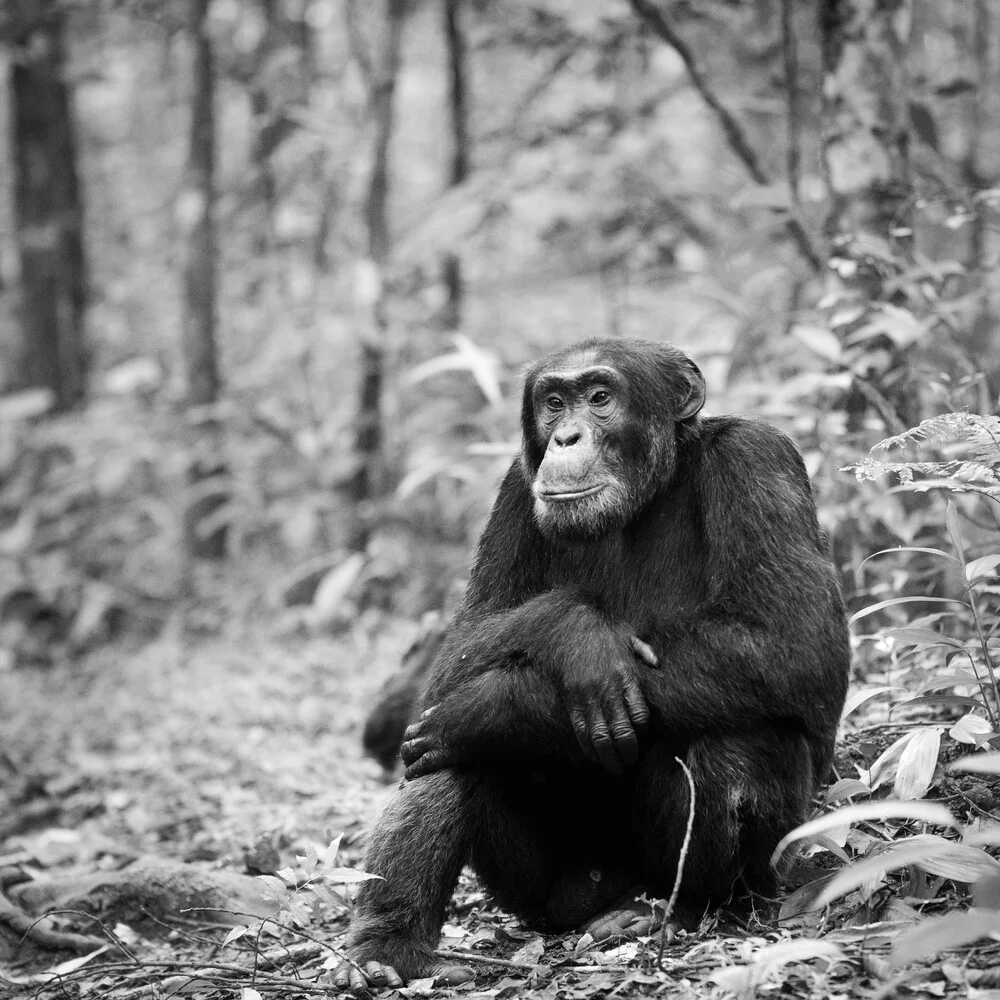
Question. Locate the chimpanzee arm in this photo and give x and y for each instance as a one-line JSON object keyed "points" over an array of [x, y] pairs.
{"points": [[509, 677], [770, 643], [519, 710]]}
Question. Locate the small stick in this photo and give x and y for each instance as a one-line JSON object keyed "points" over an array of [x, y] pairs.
{"points": [[681, 858], [471, 956]]}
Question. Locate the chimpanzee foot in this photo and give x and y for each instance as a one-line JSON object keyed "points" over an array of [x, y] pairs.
{"points": [[626, 920], [368, 976]]}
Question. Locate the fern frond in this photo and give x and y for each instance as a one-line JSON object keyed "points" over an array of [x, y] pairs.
{"points": [[974, 440]]}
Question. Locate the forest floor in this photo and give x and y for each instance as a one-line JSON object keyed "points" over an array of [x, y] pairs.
{"points": [[239, 751]]}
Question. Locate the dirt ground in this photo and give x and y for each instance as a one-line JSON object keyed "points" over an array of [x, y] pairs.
{"points": [[237, 749]]}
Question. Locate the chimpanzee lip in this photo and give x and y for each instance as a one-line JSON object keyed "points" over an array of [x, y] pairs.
{"points": [[560, 495]]}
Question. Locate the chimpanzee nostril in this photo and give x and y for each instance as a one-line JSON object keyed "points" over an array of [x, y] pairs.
{"points": [[566, 436]]}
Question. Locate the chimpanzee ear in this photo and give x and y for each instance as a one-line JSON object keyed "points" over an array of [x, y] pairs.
{"points": [[696, 393]]}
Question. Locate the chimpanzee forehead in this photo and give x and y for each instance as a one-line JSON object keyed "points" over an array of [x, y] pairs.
{"points": [[575, 375]]}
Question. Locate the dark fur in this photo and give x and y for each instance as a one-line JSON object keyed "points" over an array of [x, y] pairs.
{"points": [[722, 569], [397, 701]]}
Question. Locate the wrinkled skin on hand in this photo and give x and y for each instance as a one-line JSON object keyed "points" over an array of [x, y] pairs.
{"points": [[605, 706], [605, 703]]}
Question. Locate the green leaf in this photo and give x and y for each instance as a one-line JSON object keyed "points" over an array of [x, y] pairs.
{"points": [[922, 637], [962, 678], [931, 853], [984, 763], [274, 889], [856, 700], [969, 728], [912, 548], [872, 608], [985, 836], [844, 788], [915, 771], [943, 934], [923, 812], [770, 960], [235, 934], [883, 768], [984, 566], [348, 876], [954, 530]]}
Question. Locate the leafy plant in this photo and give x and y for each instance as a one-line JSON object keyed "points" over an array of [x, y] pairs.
{"points": [[966, 635], [296, 892], [974, 466]]}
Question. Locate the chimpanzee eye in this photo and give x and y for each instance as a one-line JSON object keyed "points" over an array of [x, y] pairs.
{"points": [[600, 398], [553, 403]]}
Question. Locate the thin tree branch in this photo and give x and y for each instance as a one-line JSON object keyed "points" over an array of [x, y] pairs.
{"points": [[357, 44], [655, 19], [535, 91], [793, 149]]}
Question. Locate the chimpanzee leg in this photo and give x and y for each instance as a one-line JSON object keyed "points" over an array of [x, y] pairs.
{"points": [[418, 845], [750, 790]]}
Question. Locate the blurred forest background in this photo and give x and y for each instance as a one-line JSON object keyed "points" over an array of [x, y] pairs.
{"points": [[269, 270]]}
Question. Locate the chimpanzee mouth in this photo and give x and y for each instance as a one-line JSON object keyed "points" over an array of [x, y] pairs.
{"points": [[562, 496]]}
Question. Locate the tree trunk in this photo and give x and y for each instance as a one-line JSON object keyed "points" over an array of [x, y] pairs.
{"points": [[197, 229], [459, 166], [369, 437], [48, 215], [865, 157]]}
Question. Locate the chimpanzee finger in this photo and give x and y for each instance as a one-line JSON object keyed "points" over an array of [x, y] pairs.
{"points": [[392, 978], [644, 651], [582, 732], [412, 749], [375, 973], [428, 712], [600, 740], [347, 976], [412, 732], [635, 704], [625, 742], [428, 763]]}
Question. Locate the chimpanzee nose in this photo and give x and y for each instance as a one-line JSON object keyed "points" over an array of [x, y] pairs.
{"points": [[566, 436]]}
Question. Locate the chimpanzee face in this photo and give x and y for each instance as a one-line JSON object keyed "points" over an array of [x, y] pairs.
{"points": [[600, 440]]}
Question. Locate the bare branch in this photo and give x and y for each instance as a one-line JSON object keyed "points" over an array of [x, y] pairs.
{"points": [[733, 131], [790, 52], [357, 43]]}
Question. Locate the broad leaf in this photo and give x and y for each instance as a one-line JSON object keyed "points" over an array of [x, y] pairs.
{"points": [[923, 812], [944, 933]]}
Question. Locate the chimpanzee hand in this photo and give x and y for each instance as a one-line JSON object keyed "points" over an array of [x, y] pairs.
{"points": [[424, 749], [605, 703]]}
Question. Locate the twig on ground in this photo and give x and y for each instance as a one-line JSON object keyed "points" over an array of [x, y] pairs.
{"points": [[472, 956], [681, 858], [28, 928]]}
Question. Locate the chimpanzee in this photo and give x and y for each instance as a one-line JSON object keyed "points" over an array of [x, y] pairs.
{"points": [[399, 696], [650, 585]]}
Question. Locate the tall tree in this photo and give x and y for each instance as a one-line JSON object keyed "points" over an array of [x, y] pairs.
{"points": [[865, 142], [459, 161], [369, 436], [197, 230], [48, 210]]}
